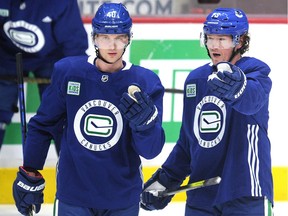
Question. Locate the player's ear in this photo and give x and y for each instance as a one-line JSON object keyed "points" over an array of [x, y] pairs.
{"points": [[241, 43]]}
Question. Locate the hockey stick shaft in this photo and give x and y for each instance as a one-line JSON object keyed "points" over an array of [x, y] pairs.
{"points": [[48, 81], [26, 79], [174, 91], [192, 186], [21, 97]]}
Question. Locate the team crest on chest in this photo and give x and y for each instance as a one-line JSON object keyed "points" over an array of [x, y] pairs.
{"points": [[210, 122], [24, 35], [98, 125]]}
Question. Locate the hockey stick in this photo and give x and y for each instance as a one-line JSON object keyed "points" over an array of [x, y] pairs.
{"points": [[191, 186], [174, 91], [21, 96], [26, 79], [47, 81]]}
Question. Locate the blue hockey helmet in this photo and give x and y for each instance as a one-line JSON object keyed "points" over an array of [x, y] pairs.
{"points": [[227, 21], [112, 18]]}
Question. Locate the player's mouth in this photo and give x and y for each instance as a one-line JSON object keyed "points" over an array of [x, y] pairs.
{"points": [[216, 55], [112, 54]]}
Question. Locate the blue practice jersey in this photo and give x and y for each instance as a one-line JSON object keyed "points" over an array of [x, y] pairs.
{"points": [[225, 139], [99, 165], [44, 31]]}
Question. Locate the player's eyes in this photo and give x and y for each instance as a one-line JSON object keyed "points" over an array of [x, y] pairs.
{"points": [[122, 38]]}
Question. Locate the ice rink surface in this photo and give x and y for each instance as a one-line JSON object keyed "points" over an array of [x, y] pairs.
{"points": [[173, 209]]}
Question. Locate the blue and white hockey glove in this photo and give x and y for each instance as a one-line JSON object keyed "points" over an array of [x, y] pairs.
{"points": [[229, 82], [157, 183], [28, 190], [139, 110]]}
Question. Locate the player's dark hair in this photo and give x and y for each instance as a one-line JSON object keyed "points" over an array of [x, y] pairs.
{"points": [[246, 43]]}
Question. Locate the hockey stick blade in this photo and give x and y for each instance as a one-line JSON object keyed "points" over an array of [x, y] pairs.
{"points": [[192, 186]]}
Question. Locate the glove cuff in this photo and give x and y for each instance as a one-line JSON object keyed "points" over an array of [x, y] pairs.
{"points": [[30, 173], [168, 182], [150, 122], [240, 90]]}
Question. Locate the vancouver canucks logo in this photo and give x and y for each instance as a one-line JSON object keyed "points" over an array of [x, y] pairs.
{"points": [[98, 125], [209, 122], [24, 35], [238, 14]]}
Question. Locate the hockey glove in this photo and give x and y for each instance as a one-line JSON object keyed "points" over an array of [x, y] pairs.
{"points": [[157, 183], [139, 111], [28, 190], [229, 82]]}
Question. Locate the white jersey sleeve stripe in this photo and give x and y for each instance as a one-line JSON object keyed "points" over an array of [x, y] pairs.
{"points": [[253, 159]]}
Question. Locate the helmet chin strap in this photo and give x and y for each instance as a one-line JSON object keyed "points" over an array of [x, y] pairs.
{"points": [[103, 59], [234, 53]]}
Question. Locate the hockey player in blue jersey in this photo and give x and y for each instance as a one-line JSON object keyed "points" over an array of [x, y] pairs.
{"points": [[44, 32], [224, 128], [106, 132]]}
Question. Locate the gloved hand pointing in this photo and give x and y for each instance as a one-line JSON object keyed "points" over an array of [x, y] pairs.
{"points": [[139, 110], [229, 82]]}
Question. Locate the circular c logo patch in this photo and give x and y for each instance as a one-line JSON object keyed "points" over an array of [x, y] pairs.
{"points": [[98, 125]]}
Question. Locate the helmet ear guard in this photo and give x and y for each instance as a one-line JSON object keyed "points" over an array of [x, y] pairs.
{"points": [[203, 39]]}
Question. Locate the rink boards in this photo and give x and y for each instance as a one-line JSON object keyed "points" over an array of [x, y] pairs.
{"points": [[8, 174]]}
